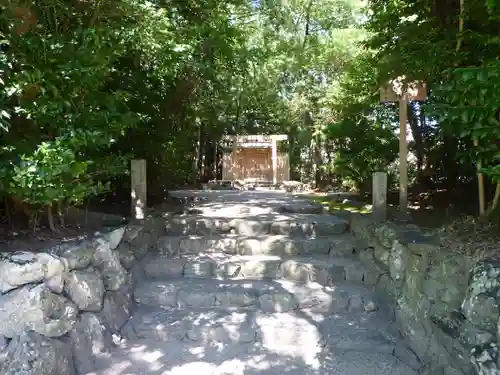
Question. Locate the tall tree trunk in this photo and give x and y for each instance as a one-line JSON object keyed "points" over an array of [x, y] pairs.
{"points": [[196, 160], [480, 176], [450, 165], [308, 23], [216, 159], [329, 161], [202, 158], [418, 141], [318, 161]]}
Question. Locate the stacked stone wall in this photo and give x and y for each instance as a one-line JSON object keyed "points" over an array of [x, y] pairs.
{"points": [[446, 307], [61, 308]]}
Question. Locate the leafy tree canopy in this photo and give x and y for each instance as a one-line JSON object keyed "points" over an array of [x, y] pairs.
{"points": [[87, 85]]}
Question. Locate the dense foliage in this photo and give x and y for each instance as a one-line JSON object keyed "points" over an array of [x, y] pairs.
{"points": [[87, 85], [453, 46]]}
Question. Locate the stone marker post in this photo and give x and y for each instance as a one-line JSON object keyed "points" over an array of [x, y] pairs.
{"points": [[138, 188], [379, 196]]}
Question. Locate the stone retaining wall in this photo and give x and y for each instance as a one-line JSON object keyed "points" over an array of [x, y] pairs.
{"points": [[446, 308], [60, 308]]}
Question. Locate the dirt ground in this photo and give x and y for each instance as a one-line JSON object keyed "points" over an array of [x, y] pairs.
{"points": [[17, 235], [452, 216], [429, 209]]}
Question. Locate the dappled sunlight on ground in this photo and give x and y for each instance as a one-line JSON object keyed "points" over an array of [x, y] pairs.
{"points": [[290, 336], [251, 342], [241, 203], [299, 357], [184, 358]]}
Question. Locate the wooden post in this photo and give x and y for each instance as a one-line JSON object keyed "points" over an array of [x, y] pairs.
{"points": [[403, 155], [274, 156], [138, 185], [397, 90], [379, 196]]}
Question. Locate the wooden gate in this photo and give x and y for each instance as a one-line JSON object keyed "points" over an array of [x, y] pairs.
{"points": [[251, 157], [255, 163]]}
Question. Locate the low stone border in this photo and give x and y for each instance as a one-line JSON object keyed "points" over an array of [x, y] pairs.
{"points": [[446, 309], [61, 308]]}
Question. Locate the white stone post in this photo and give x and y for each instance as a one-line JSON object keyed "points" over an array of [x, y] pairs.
{"points": [[379, 196], [235, 170], [138, 188]]}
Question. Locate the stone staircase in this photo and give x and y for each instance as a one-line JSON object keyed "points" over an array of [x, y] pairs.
{"points": [[252, 284]]}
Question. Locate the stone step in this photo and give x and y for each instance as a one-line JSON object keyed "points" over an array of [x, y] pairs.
{"points": [[324, 270], [290, 352], [281, 245], [202, 327], [265, 296], [298, 225], [360, 332], [151, 357], [245, 327]]}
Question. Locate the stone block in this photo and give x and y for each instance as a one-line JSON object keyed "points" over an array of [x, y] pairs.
{"points": [[355, 272], [278, 302], [117, 307], [203, 328], [379, 196], [302, 207], [275, 224], [159, 266], [414, 332], [31, 353], [23, 268], [385, 287], [231, 298], [193, 245], [255, 246], [36, 308], [399, 258], [382, 255], [107, 261], [115, 237], [86, 289], [482, 310], [386, 233], [230, 269], [258, 269], [201, 268], [195, 299], [89, 340], [156, 294], [481, 303], [132, 231], [301, 272], [230, 329], [78, 256], [126, 255], [328, 276], [168, 245], [485, 359], [445, 282]]}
